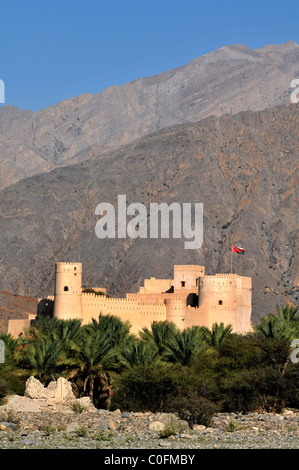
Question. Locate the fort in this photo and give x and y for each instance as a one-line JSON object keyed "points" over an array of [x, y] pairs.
{"points": [[191, 298]]}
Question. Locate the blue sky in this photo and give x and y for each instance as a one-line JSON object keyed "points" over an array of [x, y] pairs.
{"points": [[53, 50]]}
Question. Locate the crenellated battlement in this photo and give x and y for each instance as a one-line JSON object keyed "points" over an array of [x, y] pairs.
{"points": [[225, 275], [190, 299], [217, 281], [67, 264], [103, 299]]}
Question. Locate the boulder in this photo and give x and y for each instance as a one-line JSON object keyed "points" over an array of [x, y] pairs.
{"points": [[156, 426], [56, 390]]}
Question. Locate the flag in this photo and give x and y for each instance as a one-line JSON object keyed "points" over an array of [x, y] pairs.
{"points": [[238, 250]]}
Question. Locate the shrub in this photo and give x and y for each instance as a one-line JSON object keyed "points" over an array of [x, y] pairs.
{"points": [[4, 390], [171, 428], [146, 388], [193, 408], [103, 435], [77, 407], [90, 290], [49, 430], [81, 432], [239, 391], [232, 426]]}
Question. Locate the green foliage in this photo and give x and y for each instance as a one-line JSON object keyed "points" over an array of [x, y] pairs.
{"points": [[90, 290], [172, 427], [288, 312], [49, 430], [110, 325], [193, 408], [103, 436], [78, 408], [217, 335], [194, 372], [81, 432], [283, 325], [65, 331], [231, 426], [4, 390], [11, 383], [183, 347], [10, 345], [238, 391], [138, 353], [95, 355], [42, 358], [146, 388], [160, 334]]}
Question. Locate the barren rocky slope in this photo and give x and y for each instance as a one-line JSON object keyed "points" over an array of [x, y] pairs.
{"points": [[15, 306], [243, 168], [229, 80]]}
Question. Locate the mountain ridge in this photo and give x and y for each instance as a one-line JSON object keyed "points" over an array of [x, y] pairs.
{"points": [[243, 168], [228, 80]]}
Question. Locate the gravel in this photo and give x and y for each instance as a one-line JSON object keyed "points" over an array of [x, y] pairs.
{"points": [[59, 427]]}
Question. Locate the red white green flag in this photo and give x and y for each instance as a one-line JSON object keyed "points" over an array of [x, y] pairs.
{"points": [[238, 250]]}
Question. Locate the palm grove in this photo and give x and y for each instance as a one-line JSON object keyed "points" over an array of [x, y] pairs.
{"points": [[195, 372]]}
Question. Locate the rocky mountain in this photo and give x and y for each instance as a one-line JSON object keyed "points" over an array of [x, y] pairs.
{"points": [[229, 80], [243, 168], [15, 306]]}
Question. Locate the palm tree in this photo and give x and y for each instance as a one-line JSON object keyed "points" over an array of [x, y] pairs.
{"points": [[53, 329], [42, 358], [118, 331], [161, 333], [183, 347], [216, 335], [276, 327], [282, 327], [288, 312], [138, 353], [45, 329], [94, 356], [10, 347]]}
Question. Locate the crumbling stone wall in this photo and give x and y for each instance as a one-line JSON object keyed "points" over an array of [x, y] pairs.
{"points": [[56, 390]]}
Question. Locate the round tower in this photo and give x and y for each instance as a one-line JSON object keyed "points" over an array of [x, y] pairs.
{"points": [[225, 298], [68, 291], [176, 311]]}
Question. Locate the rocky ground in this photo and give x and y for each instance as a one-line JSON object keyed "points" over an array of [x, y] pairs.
{"points": [[37, 424]]}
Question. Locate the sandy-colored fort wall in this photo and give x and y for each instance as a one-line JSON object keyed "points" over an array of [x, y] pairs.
{"points": [[139, 315], [190, 299], [223, 298], [154, 285], [186, 277], [68, 291], [220, 298], [18, 326]]}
